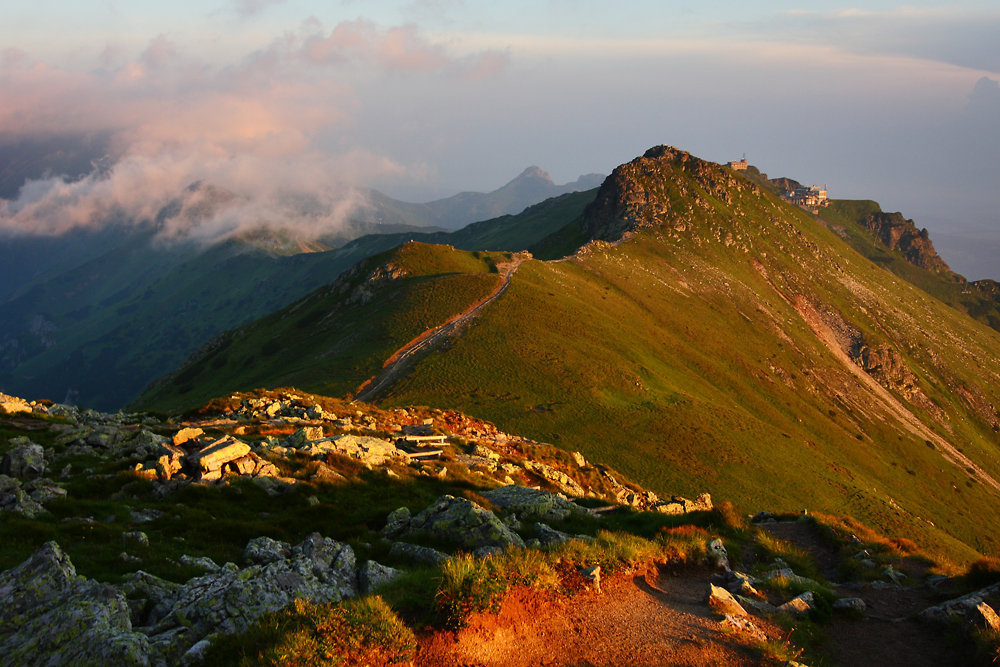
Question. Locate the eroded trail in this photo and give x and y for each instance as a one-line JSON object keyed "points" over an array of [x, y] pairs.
{"points": [[406, 355], [888, 635], [645, 621]]}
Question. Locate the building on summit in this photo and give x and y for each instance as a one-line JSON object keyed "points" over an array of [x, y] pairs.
{"points": [[809, 197], [739, 165]]}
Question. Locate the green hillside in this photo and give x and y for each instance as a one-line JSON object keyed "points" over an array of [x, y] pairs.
{"points": [[100, 332], [713, 337]]}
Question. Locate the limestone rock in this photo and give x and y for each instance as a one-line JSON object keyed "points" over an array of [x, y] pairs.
{"points": [[200, 562], [463, 523], [24, 459], [722, 601], [15, 499], [744, 626], [51, 617], [43, 490], [372, 576], [412, 552], [302, 437]]}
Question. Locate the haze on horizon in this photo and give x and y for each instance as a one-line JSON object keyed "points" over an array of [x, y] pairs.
{"points": [[293, 100]]}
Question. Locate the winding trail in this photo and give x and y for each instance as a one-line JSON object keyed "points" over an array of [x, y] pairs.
{"points": [[404, 357]]}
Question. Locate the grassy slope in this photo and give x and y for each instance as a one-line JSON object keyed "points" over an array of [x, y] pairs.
{"points": [[674, 359], [643, 357], [978, 303], [333, 339], [138, 312]]}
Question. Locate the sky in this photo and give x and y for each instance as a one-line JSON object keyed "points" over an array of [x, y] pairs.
{"points": [[295, 100]]}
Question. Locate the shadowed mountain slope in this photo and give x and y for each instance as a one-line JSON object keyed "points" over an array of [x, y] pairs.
{"points": [[709, 335]]}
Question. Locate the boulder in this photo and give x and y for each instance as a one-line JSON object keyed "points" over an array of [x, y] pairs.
{"points": [[12, 404], [218, 456], [229, 600], [722, 601], [263, 550], [372, 576], [417, 554], [43, 490], [303, 437], [51, 616], [397, 521], [526, 502], [549, 536], [201, 562], [850, 604], [981, 617], [186, 435], [717, 554], [24, 459], [463, 523], [14, 499], [762, 517], [370, 451], [799, 605], [558, 478]]}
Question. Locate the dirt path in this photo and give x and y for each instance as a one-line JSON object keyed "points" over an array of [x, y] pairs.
{"points": [[405, 356], [644, 621], [886, 636]]}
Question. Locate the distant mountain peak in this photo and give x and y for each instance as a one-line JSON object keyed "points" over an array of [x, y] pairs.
{"points": [[533, 172]]}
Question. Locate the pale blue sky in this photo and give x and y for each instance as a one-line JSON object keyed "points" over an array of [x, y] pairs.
{"points": [[898, 103]]}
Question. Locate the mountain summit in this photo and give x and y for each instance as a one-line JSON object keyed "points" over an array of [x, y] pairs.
{"points": [[706, 332]]}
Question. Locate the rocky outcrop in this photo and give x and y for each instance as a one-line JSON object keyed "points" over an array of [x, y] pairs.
{"points": [[898, 233], [51, 616], [535, 504], [456, 521], [24, 459]]}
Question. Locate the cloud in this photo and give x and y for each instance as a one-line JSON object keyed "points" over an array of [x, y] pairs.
{"points": [[274, 129], [247, 8]]}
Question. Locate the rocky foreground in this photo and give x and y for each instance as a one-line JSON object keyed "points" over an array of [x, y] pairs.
{"points": [[287, 443]]}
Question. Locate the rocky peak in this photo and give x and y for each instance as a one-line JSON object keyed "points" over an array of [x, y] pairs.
{"points": [[642, 193], [533, 173], [896, 232]]}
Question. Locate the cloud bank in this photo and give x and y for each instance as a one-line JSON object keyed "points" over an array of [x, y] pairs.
{"points": [[253, 129]]}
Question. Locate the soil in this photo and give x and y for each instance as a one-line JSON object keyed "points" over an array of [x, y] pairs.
{"points": [[641, 620], [661, 618]]}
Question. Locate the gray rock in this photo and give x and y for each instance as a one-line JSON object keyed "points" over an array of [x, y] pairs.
{"points": [[51, 617], [463, 523], [936, 581], [850, 604], [372, 576], [717, 554], [397, 521], [24, 459], [228, 601], [722, 601], [417, 554], [526, 502], [263, 550], [549, 536], [561, 480], [15, 499], [982, 617], [894, 575], [944, 613], [136, 537], [743, 626], [762, 517], [200, 562], [761, 606], [799, 605]]}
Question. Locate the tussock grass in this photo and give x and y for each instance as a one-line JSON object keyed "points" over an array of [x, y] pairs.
{"points": [[362, 631]]}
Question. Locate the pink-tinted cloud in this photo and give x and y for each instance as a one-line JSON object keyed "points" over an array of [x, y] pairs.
{"points": [[251, 128]]}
